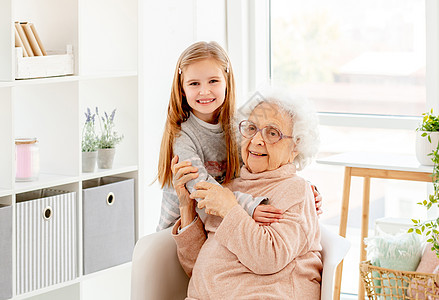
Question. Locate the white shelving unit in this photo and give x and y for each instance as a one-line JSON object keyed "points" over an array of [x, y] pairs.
{"points": [[104, 36]]}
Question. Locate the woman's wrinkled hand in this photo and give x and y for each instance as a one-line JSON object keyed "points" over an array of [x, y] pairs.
{"points": [[182, 172], [216, 199]]}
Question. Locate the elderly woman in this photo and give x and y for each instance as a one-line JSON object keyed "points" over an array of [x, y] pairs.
{"points": [[232, 257]]}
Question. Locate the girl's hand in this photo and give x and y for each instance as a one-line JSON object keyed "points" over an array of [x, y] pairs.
{"points": [[267, 214], [318, 199], [182, 172], [216, 199]]}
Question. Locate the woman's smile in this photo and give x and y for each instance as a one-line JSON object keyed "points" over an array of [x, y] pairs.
{"points": [[257, 154]]}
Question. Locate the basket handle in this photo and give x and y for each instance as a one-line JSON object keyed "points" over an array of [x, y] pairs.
{"points": [[47, 213], [110, 198]]}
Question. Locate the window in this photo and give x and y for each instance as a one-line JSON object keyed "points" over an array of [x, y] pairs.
{"points": [[363, 64], [363, 56]]}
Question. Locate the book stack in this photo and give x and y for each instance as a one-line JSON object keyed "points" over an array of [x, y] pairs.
{"points": [[27, 38]]}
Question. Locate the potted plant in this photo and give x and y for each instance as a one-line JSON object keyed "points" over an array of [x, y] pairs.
{"points": [[427, 138], [89, 143], [430, 228], [107, 140]]}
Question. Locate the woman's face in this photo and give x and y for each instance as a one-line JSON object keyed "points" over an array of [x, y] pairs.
{"points": [[259, 156], [204, 86]]}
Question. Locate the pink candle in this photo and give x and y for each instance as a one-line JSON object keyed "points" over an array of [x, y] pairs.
{"points": [[27, 159]]}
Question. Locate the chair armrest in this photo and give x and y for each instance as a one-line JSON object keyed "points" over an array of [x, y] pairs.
{"points": [[334, 249], [156, 271]]}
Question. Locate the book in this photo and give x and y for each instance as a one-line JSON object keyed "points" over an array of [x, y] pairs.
{"points": [[24, 39], [37, 37], [31, 38], [19, 43]]}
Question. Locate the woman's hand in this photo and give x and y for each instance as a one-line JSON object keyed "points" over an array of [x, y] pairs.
{"points": [[216, 199], [318, 199], [266, 214], [182, 173]]}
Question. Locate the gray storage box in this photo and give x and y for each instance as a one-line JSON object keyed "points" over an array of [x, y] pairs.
{"points": [[5, 252], [108, 216], [46, 239]]}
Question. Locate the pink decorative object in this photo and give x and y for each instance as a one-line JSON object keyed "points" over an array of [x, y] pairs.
{"points": [[27, 159], [429, 264]]}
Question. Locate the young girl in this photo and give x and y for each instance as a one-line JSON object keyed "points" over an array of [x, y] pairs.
{"points": [[200, 128]]}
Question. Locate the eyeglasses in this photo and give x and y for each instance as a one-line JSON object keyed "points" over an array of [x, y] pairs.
{"points": [[270, 134]]}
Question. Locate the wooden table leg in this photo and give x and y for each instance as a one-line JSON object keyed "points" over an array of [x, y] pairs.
{"points": [[343, 226], [364, 229]]}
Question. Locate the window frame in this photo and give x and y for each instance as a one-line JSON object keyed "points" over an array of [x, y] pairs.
{"points": [[248, 36]]}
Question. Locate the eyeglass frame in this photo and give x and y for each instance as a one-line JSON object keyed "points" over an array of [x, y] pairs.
{"points": [[281, 136]]}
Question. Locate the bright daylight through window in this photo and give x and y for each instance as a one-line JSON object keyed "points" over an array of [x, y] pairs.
{"points": [[362, 56]]}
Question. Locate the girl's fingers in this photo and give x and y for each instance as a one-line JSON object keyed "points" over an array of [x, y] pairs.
{"points": [[267, 220], [270, 215], [263, 224], [270, 209]]}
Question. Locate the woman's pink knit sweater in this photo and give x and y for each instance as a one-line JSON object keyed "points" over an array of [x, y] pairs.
{"points": [[235, 258]]}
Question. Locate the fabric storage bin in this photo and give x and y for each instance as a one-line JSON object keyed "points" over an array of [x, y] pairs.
{"points": [[5, 252], [46, 239], [108, 216]]}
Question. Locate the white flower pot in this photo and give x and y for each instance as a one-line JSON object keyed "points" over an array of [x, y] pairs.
{"points": [[105, 158], [89, 161], [424, 147]]}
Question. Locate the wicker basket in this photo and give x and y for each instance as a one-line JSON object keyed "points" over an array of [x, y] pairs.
{"points": [[382, 283]]}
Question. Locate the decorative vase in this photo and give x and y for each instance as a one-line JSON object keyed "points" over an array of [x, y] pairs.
{"points": [[89, 161], [105, 158], [424, 147]]}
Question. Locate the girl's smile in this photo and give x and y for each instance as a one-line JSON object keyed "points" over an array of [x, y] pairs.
{"points": [[205, 101]]}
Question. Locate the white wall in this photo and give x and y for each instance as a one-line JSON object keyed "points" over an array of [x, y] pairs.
{"points": [[167, 28]]}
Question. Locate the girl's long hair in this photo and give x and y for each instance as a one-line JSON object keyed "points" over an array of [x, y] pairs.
{"points": [[179, 110]]}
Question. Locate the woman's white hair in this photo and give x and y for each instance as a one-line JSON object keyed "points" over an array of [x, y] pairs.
{"points": [[303, 115]]}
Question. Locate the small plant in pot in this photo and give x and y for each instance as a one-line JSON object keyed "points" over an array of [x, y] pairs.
{"points": [[89, 143], [108, 140], [427, 138], [430, 228]]}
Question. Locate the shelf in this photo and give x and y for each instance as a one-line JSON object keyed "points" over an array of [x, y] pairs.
{"points": [[44, 181], [69, 78], [4, 192], [105, 50], [108, 172], [48, 289]]}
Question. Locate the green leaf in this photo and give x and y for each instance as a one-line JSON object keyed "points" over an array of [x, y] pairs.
{"points": [[410, 230], [415, 221], [418, 231]]}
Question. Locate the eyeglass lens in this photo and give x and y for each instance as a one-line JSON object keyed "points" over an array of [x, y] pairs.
{"points": [[269, 134]]}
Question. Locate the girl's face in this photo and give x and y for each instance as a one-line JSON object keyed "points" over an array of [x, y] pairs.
{"points": [[204, 86]]}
